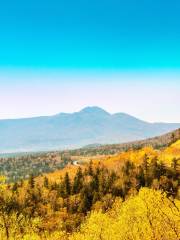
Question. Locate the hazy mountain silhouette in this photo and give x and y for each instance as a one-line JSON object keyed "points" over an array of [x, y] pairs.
{"points": [[70, 130]]}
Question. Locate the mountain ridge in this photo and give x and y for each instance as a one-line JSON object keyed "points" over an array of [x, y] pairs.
{"points": [[73, 130], [86, 109]]}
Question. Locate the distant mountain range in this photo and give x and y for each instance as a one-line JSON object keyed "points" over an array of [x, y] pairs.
{"points": [[72, 130]]}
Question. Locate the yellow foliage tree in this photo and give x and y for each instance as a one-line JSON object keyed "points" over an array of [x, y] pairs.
{"points": [[148, 216]]}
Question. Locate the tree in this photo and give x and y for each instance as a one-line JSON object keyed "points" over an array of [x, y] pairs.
{"points": [[127, 168], [31, 181], [86, 200], [46, 182], [153, 169], [94, 184], [67, 185], [90, 169], [78, 181], [145, 166], [140, 177], [149, 216], [173, 138]]}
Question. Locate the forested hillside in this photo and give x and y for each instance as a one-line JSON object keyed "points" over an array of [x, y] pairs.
{"points": [[20, 166], [157, 142], [130, 195]]}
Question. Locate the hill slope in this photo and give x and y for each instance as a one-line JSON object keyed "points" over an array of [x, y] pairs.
{"points": [[157, 142], [90, 125]]}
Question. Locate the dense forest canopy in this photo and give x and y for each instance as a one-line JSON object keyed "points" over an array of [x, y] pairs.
{"points": [[129, 195]]}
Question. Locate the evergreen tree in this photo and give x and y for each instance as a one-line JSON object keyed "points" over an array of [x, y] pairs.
{"points": [[90, 169], [94, 184], [161, 169], [31, 181], [86, 200], [78, 181], [67, 185], [140, 177], [61, 189]]}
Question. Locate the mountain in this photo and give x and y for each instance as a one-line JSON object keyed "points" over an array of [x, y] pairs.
{"points": [[70, 130]]}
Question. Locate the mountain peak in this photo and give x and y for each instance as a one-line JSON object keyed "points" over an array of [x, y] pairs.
{"points": [[70, 130], [94, 109]]}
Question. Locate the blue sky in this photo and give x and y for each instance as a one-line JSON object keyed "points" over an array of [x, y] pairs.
{"points": [[76, 45], [90, 34]]}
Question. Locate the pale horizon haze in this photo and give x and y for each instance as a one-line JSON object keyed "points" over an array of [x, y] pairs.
{"points": [[150, 96]]}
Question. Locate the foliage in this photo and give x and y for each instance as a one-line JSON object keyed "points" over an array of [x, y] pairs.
{"points": [[21, 167], [132, 195], [150, 215]]}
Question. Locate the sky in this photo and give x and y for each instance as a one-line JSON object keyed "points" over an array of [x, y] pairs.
{"points": [[60, 56]]}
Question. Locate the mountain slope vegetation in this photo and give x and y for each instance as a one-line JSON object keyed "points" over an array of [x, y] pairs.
{"points": [[157, 142], [130, 195], [20, 166]]}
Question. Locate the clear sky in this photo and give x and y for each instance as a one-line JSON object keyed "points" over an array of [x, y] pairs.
{"points": [[64, 55]]}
